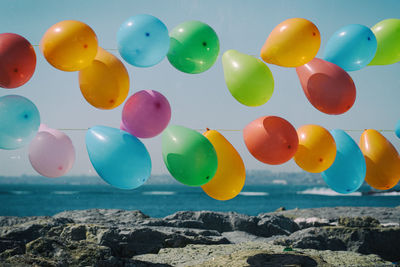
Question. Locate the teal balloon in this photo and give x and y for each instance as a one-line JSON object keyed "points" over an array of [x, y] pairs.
{"points": [[189, 156], [397, 129], [352, 47], [118, 157], [347, 173], [143, 40], [19, 121]]}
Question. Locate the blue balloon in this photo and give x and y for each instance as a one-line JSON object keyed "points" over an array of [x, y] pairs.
{"points": [[143, 40], [397, 129], [118, 157], [19, 121], [352, 47], [347, 173]]}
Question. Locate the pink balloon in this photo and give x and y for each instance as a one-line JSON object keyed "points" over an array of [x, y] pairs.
{"points": [[146, 114], [122, 126], [51, 152]]}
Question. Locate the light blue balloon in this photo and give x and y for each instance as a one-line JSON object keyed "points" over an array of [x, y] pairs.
{"points": [[352, 47], [19, 121], [118, 157], [347, 173], [143, 40], [397, 129]]}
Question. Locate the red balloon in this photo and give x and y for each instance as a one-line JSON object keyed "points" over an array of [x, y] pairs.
{"points": [[271, 139], [327, 86], [17, 60]]}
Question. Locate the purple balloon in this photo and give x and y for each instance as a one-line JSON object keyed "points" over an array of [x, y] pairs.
{"points": [[146, 114], [51, 152]]}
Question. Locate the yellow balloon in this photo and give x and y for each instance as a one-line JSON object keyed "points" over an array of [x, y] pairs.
{"points": [[105, 83], [292, 43], [382, 158], [317, 148], [69, 45], [229, 179]]}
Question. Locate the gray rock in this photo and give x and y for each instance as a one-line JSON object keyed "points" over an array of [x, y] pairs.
{"points": [[366, 221]]}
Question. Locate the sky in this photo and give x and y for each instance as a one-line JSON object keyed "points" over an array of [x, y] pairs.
{"points": [[201, 100]]}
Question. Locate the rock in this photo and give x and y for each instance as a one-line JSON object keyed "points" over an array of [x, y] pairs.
{"points": [[358, 222], [311, 222], [280, 209], [276, 225], [381, 241], [74, 232]]}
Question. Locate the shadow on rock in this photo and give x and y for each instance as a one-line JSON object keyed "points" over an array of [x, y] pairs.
{"points": [[280, 260]]}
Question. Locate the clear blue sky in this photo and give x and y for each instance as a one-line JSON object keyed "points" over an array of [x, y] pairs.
{"points": [[202, 100]]}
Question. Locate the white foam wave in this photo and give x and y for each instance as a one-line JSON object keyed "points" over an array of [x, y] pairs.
{"points": [[253, 194], [65, 192], [164, 193], [20, 192], [324, 191], [393, 193], [279, 181]]}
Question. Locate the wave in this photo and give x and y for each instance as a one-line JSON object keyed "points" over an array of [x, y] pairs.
{"points": [[65, 192], [159, 193], [20, 192], [324, 191], [253, 194], [384, 194], [279, 181]]}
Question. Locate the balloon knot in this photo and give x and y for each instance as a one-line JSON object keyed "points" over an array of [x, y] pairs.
{"points": [[207, 129]]}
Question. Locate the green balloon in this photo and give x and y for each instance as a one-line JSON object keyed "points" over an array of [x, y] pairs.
{"points": [[387, 33], [248, 79], [194, 47], [189, 156]]}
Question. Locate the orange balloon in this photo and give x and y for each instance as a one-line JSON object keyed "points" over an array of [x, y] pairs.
{"points": [[271, 139], [292, 43], [317, 148], [327, 86], [105, 83], [382, 158], [229, 179], [69, 45]]}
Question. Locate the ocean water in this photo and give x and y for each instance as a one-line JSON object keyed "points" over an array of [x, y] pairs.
{"points": [[162, 200]]}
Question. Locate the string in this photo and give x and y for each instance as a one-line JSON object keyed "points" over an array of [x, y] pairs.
{"points": [[227, 130]]}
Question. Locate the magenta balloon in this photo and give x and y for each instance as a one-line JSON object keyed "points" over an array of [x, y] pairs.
{"points": [[146, 114], [51, 152]]}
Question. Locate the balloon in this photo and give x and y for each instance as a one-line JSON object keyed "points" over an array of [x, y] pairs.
{"points": [[143, 40], [387, 33], [146, 114], [105, 83], [351, 47], [397, 129], [194, 47], [292, 43], [271, 139], [17, 60], [347, 172], [383, 162], [69, 45], [51, 152], [248, 79], [118, 157], [317, 149], [20, 121], [327, 86], [229, 179], [189, 156]]}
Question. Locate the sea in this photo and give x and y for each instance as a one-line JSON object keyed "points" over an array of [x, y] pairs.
{"points": [[165, 199]]}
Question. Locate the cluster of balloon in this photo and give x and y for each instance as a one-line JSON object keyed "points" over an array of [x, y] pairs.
{"points": [[229, 179], [51, 152], [383, 162], [271, 139], [194, 47], [347, 172], [292, 43], [17, 60], [351, 47], [69, 45], [20, 120], [248, 79], [146, 114], [143, 40], [188, 155], [118, 157], [387, 33], [317, 149], [327, 86], [105, 82]]}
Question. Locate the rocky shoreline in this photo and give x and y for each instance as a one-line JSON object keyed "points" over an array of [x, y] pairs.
{"points": [[341, 236]]}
